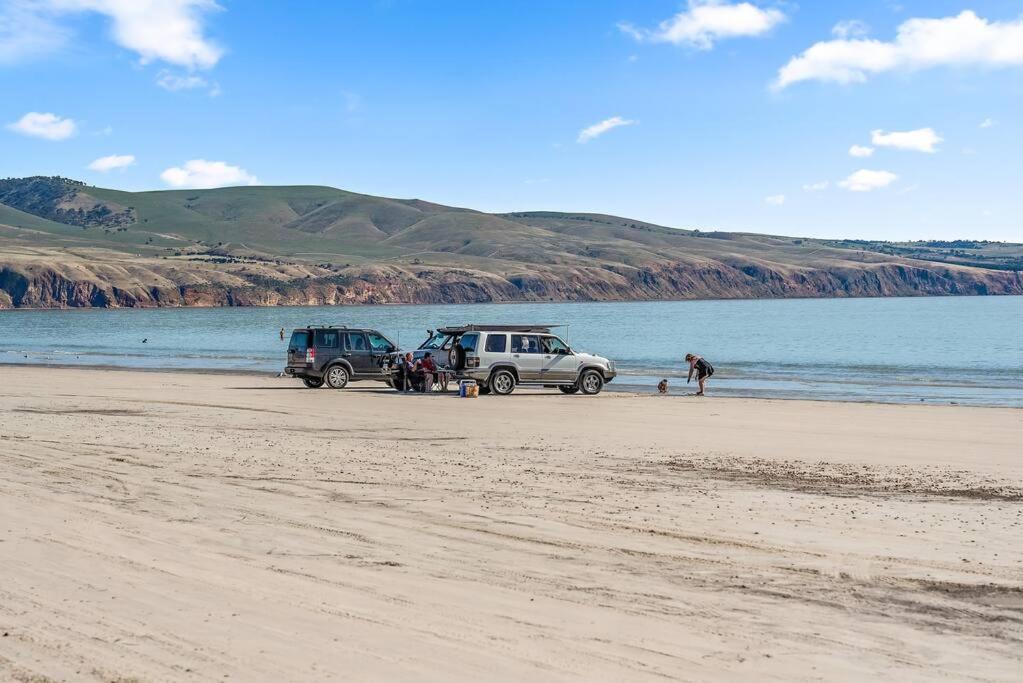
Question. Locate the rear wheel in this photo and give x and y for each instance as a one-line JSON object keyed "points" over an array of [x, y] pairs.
{"points": [[312, 383], [591, 382], [570, 389], [337, 377], [502, 382]]}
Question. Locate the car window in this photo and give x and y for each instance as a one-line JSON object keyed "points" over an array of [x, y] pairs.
{"points": [[357, 342], [378, 342], [525, 343], [437, 341], [497, 343], [299, 341], [554, 345], [469, 341], [326, 339]]}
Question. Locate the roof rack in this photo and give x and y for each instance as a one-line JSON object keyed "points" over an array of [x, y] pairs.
{"points": [[455, 329], [326, 327]]}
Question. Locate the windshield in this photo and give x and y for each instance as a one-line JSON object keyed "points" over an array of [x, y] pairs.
{"points": [[435, 342]]}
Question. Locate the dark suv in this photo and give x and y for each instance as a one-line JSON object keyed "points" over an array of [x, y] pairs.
{"points": [[337, 355]]}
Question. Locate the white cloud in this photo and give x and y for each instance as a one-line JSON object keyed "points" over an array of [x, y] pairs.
{"points": [[598, 129], [707, 21], [202, 174], [962, 40], [852, 28], [988, 123], [775, 199], [157, 30], [46, 126], [865, 180], [816, 187], [920, 140], [112, 162], [861, 151]]}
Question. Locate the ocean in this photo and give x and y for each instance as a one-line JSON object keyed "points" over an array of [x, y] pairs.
{"points": [[965, 350]]}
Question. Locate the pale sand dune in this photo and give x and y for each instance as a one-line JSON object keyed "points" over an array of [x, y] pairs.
{"points": [[198, 527]]}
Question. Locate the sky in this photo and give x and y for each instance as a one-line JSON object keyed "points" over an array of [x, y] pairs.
{"points": [[870, 119]]}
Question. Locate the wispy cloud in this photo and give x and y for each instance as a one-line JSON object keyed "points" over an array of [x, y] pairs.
{"points": [[28, 30], [174, 82], [962, 40], [861, 151], [47, 126], [866, 180], [775, 199], [988, 123], [598, 129], [170, 31], [202, 174], [112, 162], [706, 21], [851, 28], [816, 187], [920, 140]]}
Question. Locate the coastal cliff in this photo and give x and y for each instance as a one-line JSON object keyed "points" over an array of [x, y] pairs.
{"points": [[46, 287]]}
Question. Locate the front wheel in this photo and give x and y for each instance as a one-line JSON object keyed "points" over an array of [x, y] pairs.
{"points": [[502, 382], [591, 382], [312, 383], [337, 377], [570, 389]]}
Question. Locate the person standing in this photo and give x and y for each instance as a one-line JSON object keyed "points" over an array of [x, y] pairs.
{"points": [[282, 334], [702, 368]]}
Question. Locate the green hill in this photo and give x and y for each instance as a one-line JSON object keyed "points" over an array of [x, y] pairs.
{"points": [[67, 244]]}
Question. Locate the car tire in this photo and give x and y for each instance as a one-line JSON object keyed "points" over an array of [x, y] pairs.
{"points": [[591, 382], [312, 383], [456, 357], [502, 382], [337, 377], [569, 389]]}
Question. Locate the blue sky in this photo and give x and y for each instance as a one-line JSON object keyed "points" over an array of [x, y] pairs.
{"points": [[732, 115]]}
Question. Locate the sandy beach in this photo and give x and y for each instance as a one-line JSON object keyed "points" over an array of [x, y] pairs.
{"points": [[171, 526]]}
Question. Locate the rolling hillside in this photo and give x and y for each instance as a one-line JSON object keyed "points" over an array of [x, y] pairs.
{"points": [[63, 243]]}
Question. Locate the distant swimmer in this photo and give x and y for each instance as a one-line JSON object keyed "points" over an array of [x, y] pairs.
{"points": [[702, 368], [146, 340], [282, 334]]}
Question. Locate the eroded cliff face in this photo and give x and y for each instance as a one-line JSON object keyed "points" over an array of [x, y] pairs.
{"points": [[39, 286]]}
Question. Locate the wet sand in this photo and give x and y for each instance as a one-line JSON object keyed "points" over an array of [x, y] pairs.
{"points": [[173, 526]]}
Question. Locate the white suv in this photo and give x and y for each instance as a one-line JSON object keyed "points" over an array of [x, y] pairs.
{"points": [[500, 357]]}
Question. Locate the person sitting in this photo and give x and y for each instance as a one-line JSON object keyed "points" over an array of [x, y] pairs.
{"points": [[413, 373], [429, 367]]}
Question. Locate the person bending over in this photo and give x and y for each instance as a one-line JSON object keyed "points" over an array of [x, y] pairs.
{"points": [[703, 370]]}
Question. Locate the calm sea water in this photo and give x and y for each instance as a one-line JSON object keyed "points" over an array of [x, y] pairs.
{"points": [[967, 350]]}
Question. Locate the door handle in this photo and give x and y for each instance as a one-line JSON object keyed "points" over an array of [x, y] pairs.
{"points": [[346, 355]]}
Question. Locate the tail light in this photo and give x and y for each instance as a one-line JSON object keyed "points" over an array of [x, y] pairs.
{"points": [[472, 361], [310, 355]]}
